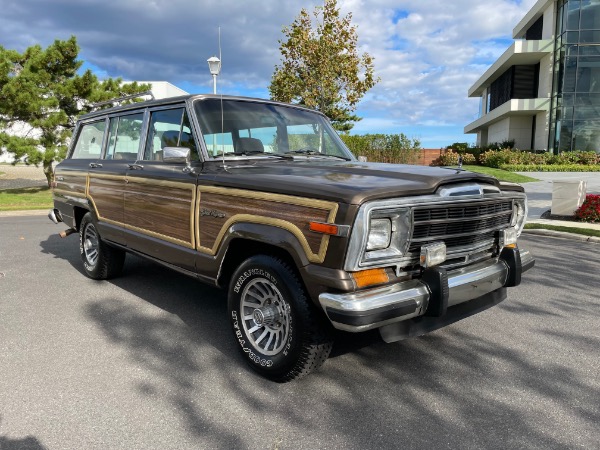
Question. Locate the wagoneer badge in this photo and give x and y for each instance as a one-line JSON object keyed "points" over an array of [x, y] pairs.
{"points": [[212, 213]]}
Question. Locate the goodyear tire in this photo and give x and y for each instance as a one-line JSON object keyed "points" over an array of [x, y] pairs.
{"points": [[279, 332], [100, 260]]}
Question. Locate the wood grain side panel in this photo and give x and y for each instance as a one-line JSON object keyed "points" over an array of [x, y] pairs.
{"points": [[73, 183], [107, 196], [212, 205], [163, 210]]}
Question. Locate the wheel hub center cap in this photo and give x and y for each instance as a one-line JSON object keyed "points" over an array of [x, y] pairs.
{"points": [[266, 315]]}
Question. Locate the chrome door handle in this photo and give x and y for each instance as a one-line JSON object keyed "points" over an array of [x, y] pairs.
{"points": [[135, 166], [95, 165]]}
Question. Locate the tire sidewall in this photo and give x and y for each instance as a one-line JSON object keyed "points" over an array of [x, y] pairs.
{"points": [[90, 270], [263, 267]]}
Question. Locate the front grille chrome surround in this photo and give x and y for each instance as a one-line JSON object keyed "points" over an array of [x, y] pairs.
{"points": [[467, 224]]}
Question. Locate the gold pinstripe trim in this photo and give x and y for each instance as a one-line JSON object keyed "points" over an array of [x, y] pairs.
{"points": [[279, 198], [319, 257], [69, 193]]}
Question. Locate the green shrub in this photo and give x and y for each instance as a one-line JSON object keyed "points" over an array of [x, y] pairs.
{"points": [[450, 158], [496, 158]]}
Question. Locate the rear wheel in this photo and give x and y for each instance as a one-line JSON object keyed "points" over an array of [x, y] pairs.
{"points": [[280, 333], [100, 260]]}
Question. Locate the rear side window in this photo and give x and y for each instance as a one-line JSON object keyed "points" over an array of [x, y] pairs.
{"points": [[89, 142], [124, 137], [169, 128]]}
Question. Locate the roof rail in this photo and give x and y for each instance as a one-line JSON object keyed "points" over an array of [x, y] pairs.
{"points": [[121, 99]]}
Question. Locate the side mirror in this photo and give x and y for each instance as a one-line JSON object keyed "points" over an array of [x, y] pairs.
{"points": [[177, 155]]}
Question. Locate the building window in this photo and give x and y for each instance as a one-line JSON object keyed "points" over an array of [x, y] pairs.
{"points": [[576, 89]]}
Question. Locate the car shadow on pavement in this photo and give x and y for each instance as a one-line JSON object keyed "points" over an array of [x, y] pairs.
{"points": [[463, 386], [27, 443]]}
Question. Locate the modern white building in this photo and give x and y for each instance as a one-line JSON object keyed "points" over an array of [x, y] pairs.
{"points": [[164, 89], [544, 91]]}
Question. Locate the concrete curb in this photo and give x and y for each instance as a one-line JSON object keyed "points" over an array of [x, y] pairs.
{"points": [[563, 234]]}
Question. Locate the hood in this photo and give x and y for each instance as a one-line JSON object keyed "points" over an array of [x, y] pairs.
{"points": [[346, 181]]}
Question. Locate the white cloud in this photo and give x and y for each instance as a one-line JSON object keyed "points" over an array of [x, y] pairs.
{"points": [[427, 53]]}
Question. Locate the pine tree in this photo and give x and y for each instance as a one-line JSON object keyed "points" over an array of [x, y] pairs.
{"points": [[42, 95]]}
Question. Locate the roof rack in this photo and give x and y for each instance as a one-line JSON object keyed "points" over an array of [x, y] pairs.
{"points": [[121, 99]]}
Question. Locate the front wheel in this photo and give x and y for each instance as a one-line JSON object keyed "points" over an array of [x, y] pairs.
{"points": [[279, 332], [100, 260]]}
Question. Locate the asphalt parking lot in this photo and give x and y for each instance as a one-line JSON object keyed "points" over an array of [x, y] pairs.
{"points": [[146, 361]]}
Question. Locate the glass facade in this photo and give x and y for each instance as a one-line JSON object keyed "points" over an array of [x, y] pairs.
{"points": [[575, 121]]}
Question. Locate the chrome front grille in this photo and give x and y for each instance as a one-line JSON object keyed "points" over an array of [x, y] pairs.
{"points": [[464, 225]]}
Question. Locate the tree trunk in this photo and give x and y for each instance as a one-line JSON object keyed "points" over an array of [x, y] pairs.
{"points": [[49, 172]]}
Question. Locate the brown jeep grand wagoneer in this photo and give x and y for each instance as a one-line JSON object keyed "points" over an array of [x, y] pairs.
{"points": [[263, 199]]}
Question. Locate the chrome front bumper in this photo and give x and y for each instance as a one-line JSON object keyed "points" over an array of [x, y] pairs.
{"points": [[377, 307]]}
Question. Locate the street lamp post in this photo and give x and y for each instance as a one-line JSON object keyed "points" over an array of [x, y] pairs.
{"points": [[214, 65]]}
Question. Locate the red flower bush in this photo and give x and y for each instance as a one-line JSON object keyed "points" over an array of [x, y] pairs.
{"points": [[589, 211]]}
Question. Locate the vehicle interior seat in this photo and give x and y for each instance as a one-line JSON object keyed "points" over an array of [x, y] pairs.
{"points": [[248, 144]]}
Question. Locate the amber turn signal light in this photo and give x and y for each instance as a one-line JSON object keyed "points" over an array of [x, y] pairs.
{"points": [[370, 277], [324, 228]]}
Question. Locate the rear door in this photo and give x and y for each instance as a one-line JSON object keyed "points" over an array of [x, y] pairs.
{"points": [[160, 196], [107, 180]]}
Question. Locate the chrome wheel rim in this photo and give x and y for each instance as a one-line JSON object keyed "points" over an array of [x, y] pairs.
{"points": [[90, 244], [266, 317]]}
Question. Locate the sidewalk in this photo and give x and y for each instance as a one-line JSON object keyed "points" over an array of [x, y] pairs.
{"points": [[539, 193], [539, 196]]}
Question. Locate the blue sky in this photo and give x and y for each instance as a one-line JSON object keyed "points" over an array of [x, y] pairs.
{"points": [[427, 52]]}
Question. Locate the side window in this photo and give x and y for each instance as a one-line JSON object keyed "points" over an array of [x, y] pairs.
{"points": [[89, 141], [124, 137], [169, 128]]}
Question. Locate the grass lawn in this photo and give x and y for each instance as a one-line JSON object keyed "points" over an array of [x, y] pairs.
{"points": [[26, 198], [502, 175], [543, 226]]}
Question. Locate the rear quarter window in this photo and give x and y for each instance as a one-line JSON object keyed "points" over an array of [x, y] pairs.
{"points": [[89, 141]]}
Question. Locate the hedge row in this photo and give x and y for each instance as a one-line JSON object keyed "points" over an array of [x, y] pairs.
{"points": [[550, 168], [509, 158], [387, 148]]}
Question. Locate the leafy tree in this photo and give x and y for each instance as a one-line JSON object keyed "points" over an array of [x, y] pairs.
{"points": [[42, 95], [387, 148], [321, 67]]}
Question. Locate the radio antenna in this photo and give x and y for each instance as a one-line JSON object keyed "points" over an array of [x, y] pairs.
{"points": [[222, 118], [222, 114]]}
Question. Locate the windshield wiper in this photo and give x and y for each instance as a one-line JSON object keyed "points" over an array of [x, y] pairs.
{"points": [[251, 153], [311, 152]]}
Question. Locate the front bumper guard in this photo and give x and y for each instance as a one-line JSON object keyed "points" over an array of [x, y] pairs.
{"points": [[377, 307]]}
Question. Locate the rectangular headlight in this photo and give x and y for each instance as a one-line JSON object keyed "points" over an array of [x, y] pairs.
{"points": [[433, 254], [380, 233], [519, 215]]}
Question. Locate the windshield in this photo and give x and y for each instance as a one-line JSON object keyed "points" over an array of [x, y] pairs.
{"points": [[242, 128]]}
